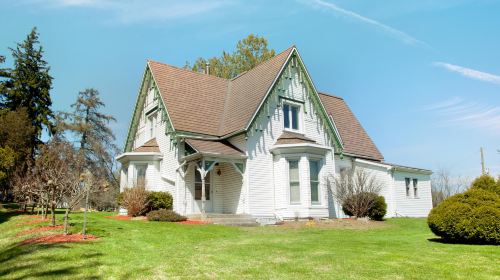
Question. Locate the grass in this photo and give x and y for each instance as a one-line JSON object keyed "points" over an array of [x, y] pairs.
{"points": [[156, 250]]}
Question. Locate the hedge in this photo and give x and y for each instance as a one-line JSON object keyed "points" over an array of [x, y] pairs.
{"points": [[470, 217]]}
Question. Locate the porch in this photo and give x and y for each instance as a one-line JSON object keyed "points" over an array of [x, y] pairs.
{"points": [[214, 176]]}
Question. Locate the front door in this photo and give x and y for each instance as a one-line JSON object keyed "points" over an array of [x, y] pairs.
{"points": [[208, 193]]}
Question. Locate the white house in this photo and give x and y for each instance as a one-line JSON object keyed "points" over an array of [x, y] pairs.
{"points": [[262, 143]]}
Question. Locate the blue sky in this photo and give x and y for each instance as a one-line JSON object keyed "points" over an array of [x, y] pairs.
{"points": [[423, 76]]}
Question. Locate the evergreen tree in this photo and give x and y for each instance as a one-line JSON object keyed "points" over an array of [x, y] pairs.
{"points": [[28, 85], [94, 138], [249, 53]]}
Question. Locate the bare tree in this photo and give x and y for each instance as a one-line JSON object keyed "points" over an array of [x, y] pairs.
{"points": [[444, 185], [355, 189]]}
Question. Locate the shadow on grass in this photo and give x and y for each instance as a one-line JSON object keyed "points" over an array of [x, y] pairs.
{"points": [[18, 264], [457, 242]]}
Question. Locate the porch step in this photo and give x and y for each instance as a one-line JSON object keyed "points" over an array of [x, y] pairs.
{"points": [[228, 219]]}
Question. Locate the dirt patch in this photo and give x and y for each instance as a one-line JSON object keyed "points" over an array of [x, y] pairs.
{"points": [[194, 222], [335, 224], [127, 218], [58, 238], [119, 217], [39, 229]]}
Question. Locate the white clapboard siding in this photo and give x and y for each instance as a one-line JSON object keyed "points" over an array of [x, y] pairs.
{"points": [[412, 206], [269, 188]]}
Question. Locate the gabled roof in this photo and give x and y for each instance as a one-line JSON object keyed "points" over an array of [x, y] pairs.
{"points": [[149, 146], [214, 147], [206, 104], [354, 138], [288, 137]]}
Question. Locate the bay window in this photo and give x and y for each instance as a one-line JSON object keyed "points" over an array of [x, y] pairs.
{"points": [[314, 181]]}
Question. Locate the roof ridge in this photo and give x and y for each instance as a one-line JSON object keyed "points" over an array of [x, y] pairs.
{"points": [[264, 62], [187, 70]]}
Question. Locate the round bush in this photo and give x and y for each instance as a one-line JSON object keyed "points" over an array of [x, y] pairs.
{"points": [[164, 215], [470, 217], [487, 183], [159, 200], [379, 209]]}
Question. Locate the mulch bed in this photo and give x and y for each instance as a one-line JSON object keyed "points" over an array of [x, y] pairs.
{"points": [[39, 229], [194, 222], [58, 238]]}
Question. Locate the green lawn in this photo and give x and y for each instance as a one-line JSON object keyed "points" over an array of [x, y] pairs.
{"points": [[155, 250]]}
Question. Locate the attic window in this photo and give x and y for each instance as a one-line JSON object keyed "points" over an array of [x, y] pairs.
{"points": [[291, 116]]}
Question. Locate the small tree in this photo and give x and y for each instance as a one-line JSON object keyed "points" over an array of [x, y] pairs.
{"points": [[443, 185], [354, 189]]}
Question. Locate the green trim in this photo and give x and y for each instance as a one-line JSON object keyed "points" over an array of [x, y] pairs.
{"points": [[143, 91], [311, 92]]}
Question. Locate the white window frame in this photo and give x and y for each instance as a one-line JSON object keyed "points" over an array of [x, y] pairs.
{"points": [[136, 171], [407, 187], [152, 120], [415, 187], [300, 116], [320, 167], [299, 202]]}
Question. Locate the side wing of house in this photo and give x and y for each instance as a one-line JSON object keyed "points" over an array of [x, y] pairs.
{"points": [[151, 154], [290, 149]]}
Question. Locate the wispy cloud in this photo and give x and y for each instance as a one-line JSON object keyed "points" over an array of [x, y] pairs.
{"points": [[134, 11], [469, 73], [458, 112], [408, 39]]}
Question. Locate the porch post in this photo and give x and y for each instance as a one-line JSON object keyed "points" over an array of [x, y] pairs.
{"points": [[203, 197]]}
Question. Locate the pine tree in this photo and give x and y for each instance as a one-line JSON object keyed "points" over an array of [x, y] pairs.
{"points": [[28, 85], [94, 138]]}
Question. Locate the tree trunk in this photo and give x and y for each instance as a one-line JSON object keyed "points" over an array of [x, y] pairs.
{"points": [[33, 208], [53, 213], [85, 214], [45, 210], [66, 214]]}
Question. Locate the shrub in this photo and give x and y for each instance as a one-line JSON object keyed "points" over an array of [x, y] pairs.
{"points": [[379, 209], [135, 200], [366, 204], [159, 200], [470, 217], [164, 215], [487, 183]]}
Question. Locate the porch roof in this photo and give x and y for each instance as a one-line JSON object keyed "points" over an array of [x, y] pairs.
{"points": [[223, 148]]}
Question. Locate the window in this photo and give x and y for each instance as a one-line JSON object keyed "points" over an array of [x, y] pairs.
{"points": [[197, 186], [313, 178], [293, 175], [415, 188], [291, 116], [140, 173], [152, 125], [407, 183]]}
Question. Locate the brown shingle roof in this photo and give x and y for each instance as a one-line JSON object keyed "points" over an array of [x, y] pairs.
{"points": [[194, 101], [150, 146], [288, 137], [214, 147], [210, 105], [354, 138], [248, 90]]}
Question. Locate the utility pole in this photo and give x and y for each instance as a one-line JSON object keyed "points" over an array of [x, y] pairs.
{"points": [[482, 161]]}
